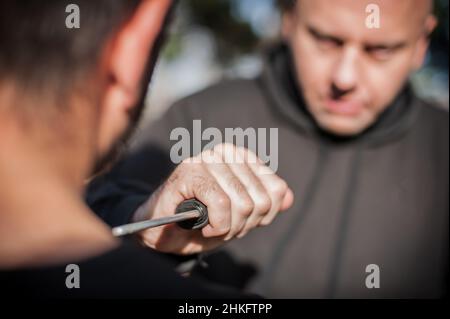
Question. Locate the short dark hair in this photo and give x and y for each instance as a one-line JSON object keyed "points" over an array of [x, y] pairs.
{"points": [[35, 43], [286, 5]]}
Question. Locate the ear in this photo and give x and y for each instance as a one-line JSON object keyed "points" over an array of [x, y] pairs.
{"points": [[423, 42], [287, 24], [129, 51], [124, 61]]}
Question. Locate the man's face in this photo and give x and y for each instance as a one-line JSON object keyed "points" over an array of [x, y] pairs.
{"points": [[350, 73]]}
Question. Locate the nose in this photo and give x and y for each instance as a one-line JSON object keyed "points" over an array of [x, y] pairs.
{"points": [[345, 76]]}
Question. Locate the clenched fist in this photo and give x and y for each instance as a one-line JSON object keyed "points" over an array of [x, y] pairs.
{"points": [[241, 193]]}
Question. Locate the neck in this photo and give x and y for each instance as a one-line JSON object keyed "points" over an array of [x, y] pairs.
{"points": [[43, 219]]}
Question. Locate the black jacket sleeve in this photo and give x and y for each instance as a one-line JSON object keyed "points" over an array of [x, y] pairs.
{"points": [[116, 195], [116, 201]]}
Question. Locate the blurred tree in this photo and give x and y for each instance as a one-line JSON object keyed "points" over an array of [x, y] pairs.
{"points": [[233, 36]]}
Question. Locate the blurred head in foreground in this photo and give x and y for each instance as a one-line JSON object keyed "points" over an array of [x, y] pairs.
{"points": [[76, 92]]}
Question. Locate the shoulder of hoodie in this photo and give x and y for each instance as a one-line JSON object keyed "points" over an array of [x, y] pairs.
{"points": [[432, 122], [432, 114]]}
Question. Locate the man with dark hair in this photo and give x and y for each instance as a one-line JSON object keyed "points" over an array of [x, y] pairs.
{"points": [[68, 99], [367, 159]]}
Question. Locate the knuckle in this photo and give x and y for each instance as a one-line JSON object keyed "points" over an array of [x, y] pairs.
{"points": [[203, 186], [242, 151], [246, 155], [263, 204], [217, 232], [222, 222], [235, 184], [279, 187], [208, 152], [226, 147], [223, 202], [223, 230], [245, 206], [200, 182], [188, 166], [208, 156]]}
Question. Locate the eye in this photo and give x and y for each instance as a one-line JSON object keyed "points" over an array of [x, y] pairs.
{"points": [[381, 53], [326, 42]]}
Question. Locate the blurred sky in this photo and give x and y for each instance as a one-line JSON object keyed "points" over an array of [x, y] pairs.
{"points": [[215, 39]]}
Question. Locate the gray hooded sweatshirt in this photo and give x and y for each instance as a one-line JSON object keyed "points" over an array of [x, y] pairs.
{"points": [[370, 217]]}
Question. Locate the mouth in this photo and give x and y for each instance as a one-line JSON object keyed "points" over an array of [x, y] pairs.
{"points": [[343, 107]]}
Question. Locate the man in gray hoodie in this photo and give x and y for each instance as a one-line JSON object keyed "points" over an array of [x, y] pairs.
{"points": [[366, 158]]}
